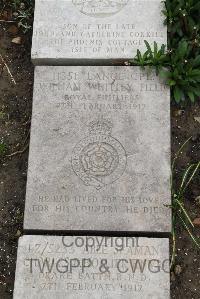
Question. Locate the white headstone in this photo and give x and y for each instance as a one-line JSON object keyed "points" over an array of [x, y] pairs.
{"points": [[94, 31], [81, 267], [100, 151]]}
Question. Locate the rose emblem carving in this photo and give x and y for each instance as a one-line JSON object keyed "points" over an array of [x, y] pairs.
{"points": [[99, 159]]}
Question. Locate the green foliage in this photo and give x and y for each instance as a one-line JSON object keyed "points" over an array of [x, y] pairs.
{"points": [[182, 75], [180, 65], [16, 4], [3, 148], [24, 18], [22, 11], [182, 19], [179, 211], [152, 57], [2, 115]]}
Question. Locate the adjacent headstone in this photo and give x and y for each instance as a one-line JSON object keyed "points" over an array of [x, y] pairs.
{"points": [[94, 31], [99, 151], [80, 267]]}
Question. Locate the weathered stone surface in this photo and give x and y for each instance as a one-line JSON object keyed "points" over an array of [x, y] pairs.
{"points": [[92, 267], [94, 31], [99, 152]]}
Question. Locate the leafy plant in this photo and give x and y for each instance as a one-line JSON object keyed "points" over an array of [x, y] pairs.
{"points": [[21, 12], [180, 65], [179, 211], [181, 75], [24, 17], [182, 19], [155, 57]]}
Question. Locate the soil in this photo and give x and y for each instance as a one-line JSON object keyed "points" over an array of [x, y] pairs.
{"points": [[15, 116]]}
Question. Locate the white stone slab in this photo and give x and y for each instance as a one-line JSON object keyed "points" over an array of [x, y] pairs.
{"points": [[50, 267], [100, 151], [94, 31]]}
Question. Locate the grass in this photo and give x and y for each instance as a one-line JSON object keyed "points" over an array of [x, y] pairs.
{"points": [[179, 211]]}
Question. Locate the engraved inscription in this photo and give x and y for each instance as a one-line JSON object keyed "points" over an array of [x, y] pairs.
{"points": [[96, 29], [99, 267], [100, 8], [95, 125], [99, 159]]}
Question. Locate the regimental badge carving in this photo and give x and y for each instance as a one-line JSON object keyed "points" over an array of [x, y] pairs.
{"points": [[99, 159], [100, 8]]}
